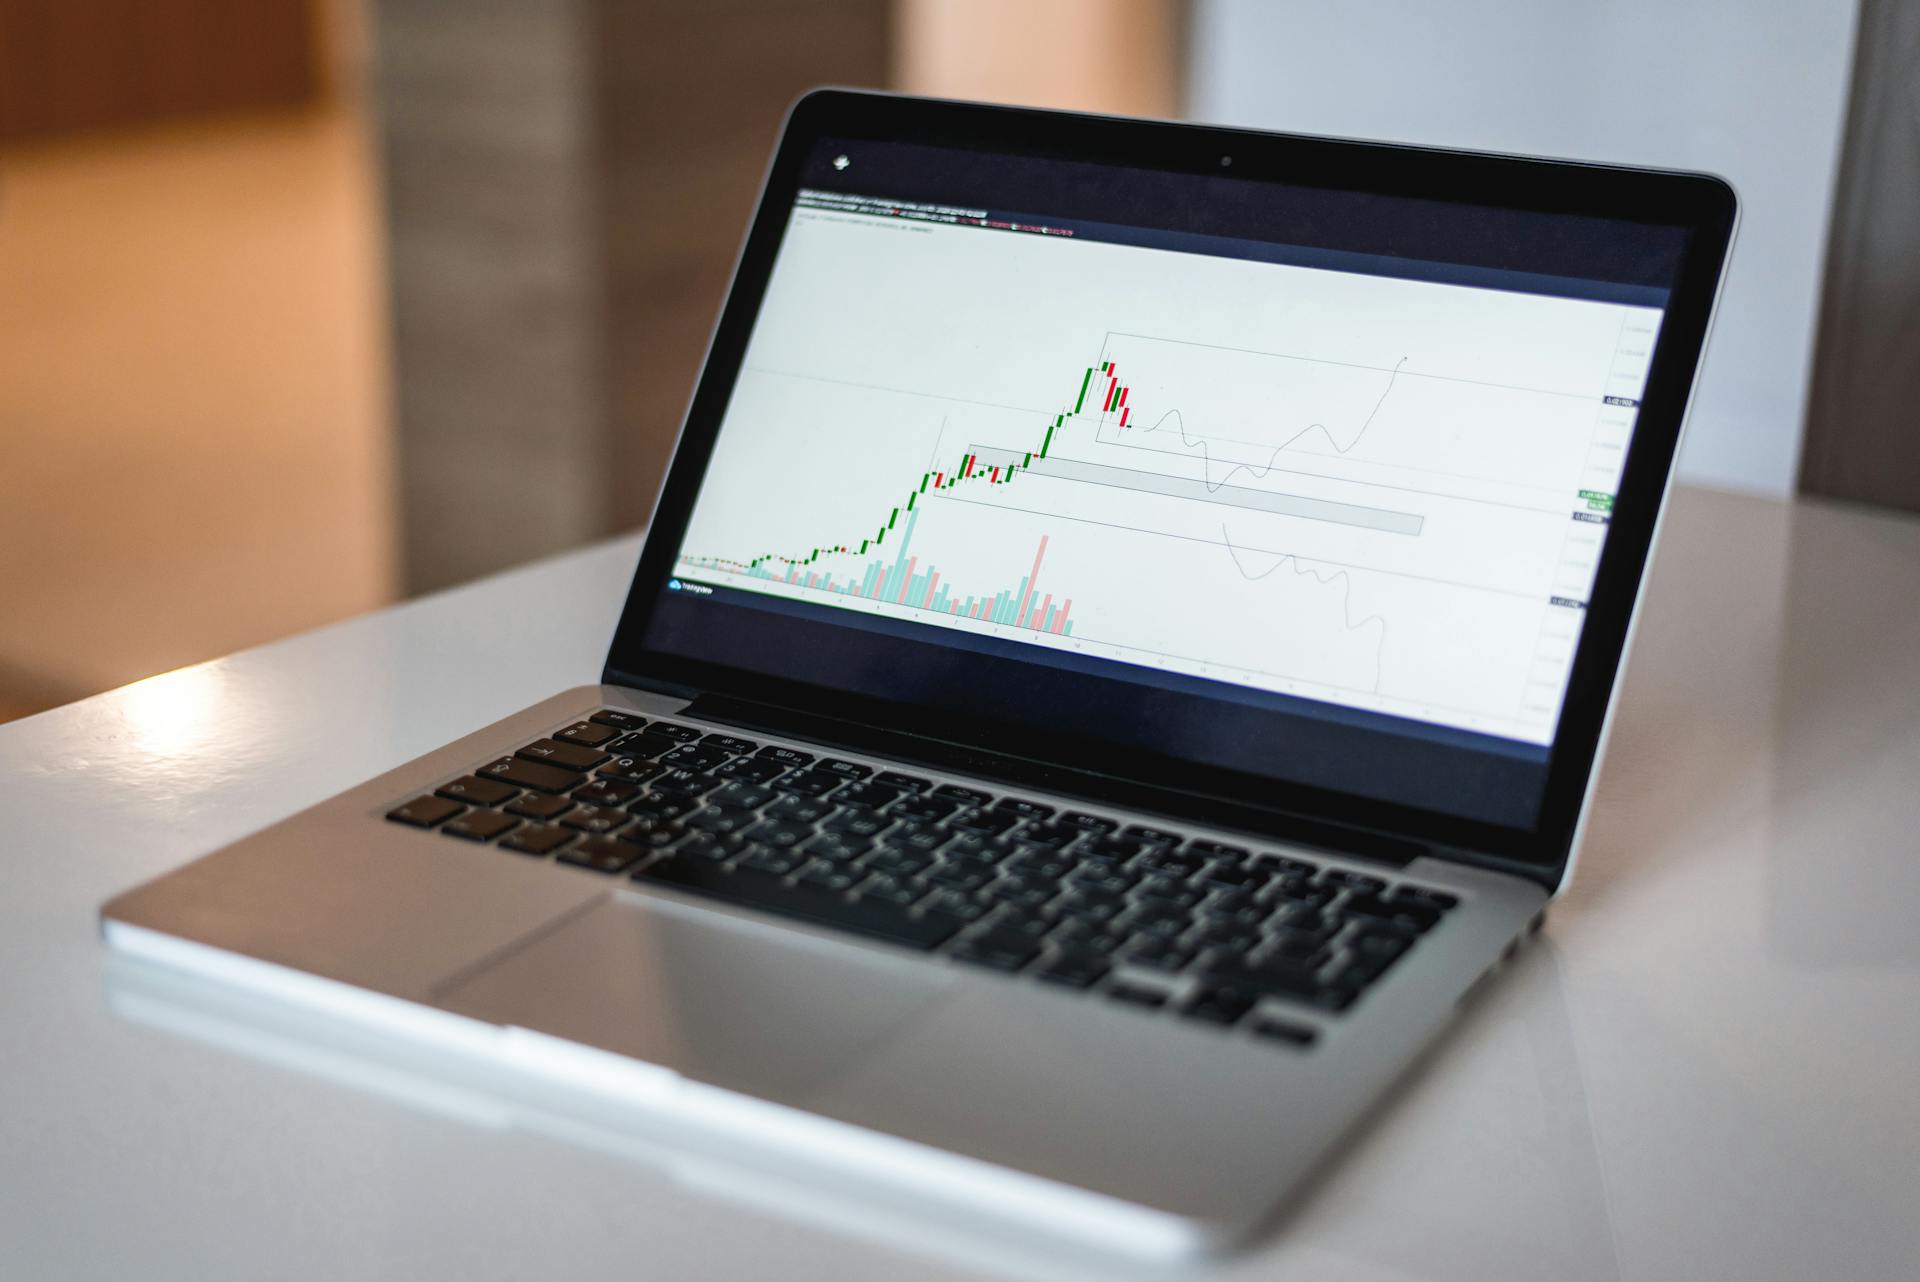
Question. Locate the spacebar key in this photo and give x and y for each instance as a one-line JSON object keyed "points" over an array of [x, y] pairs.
{"points": [[751, 888]]}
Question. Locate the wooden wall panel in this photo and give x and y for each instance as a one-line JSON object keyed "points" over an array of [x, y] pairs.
{"points": [[69, 65]]}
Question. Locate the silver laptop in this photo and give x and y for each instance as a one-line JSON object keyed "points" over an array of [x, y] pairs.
{"points": [[1121, 652]]}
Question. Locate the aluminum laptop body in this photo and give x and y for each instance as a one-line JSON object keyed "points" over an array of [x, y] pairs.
{"points": [[1122, 650]]}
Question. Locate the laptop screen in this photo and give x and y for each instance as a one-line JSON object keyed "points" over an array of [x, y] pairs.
{"points": [[1308, 483]]}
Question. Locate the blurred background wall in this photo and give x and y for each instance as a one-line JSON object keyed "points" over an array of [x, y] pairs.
{"points": [[307, 305]]}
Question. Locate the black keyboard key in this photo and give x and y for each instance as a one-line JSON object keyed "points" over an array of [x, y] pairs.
{"points": [[1075, 970], [606, 792], [1411, 916], [779, 833], [1303, 919], [998, 949], [768, 860], [665, 805], [804, 810], [602, 854], [1274, 977], [1237, 911], [980, 819], [1086, 822], [425, 812], [750, 795], [977, 848], [538, 839], [837, 847], [1354, 881], [1170, 891], [473, 791], [1208, 849], [722, 819], [921, 838], [901, 863], [480, 825], [532, 774], [808, 783], [1162, 955], [650, 746], [631, 769], [965, 796], [953, 876], [786, 756], [889, 889], [1136, 995], [654, 830], [1231, 877], [904, 782], [1275, 1029], [585, 734], [596, 819], [1042, 865], [860, 823], [845, 769], [552, 752], [1286, 865], [538, 805], [1087, 937], [690, 783], [1035, 923], [729, 743], [618, 720], [1053, 836], [1297, 900], [828, 877], [1110, 850], [1304, 946], [869, 796], [750, 770], [1223, 937], [751, 888], [959, 904], [1092, 907], [925, 809], [693, 756], [1222, 1006], [669, 730], [1022, 892], [712, 846], [1024, 808], [1100, 881], [1174, 863], [1159, 917], [1158, 836]]}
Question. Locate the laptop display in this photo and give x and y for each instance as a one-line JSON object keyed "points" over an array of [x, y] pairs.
{"points": [[1308, 483]]}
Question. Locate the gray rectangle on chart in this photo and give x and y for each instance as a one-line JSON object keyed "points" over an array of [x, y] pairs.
{"points": [[1181, 487]]}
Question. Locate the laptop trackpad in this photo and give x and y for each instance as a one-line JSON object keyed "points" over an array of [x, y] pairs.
{"points": [[743, 1004]]}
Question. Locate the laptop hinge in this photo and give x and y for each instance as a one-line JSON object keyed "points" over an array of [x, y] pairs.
{"points": [[1092, 786]]}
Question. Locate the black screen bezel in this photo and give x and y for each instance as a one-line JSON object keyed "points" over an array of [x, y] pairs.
{"points": [[1702, 205]]}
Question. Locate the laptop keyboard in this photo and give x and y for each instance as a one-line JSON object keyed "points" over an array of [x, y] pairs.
{"points": [[1151, 917]]}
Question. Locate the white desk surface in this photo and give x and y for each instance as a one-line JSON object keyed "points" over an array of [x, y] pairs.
{"points": [[1709, 1067]]}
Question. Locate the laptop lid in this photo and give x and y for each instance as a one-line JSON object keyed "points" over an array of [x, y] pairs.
{"points": [[1305, 481]]}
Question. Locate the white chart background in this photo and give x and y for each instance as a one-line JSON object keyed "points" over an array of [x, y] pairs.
{"points": [[887, 348]]}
